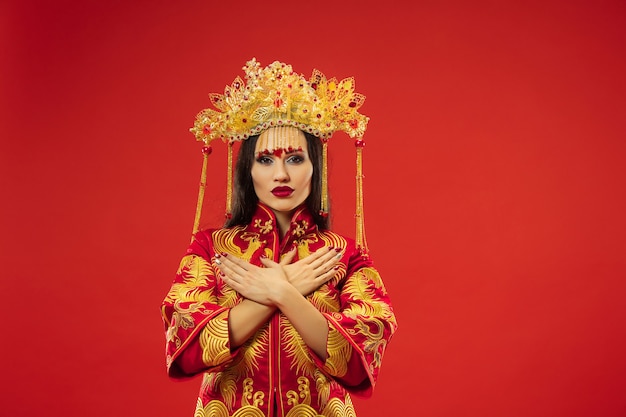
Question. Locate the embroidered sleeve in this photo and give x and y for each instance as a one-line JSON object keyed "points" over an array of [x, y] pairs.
{"points": [[359, 332], [196, 326]]}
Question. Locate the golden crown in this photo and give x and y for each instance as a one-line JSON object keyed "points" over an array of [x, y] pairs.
{"points": [[277, 96]]}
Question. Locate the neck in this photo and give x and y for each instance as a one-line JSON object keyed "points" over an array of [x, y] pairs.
{"points": [[284, 221]]}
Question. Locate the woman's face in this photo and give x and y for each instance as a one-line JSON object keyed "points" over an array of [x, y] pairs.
{"points": [[282, 170]]}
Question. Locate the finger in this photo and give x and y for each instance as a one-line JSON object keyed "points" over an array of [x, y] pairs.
{"points": [[328, 275], [286, 260], [330, 265], [268, 263], [232, 282], [218, 262], [328, 259], [235, 263], [318, 257], [225, 272], [324, 250], [229, 268]]}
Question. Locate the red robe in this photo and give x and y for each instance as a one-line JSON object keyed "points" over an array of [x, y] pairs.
{"points": [[275, 373]]}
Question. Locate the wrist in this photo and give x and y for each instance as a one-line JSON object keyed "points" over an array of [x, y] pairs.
{"points": [[282, 292]]}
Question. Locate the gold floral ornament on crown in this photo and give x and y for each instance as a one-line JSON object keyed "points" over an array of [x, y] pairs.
{"points": [[277, 96]]}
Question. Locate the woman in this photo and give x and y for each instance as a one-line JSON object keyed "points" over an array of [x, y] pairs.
{"points": [[281, 316]]}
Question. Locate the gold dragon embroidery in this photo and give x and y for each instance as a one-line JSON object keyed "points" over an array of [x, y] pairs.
{"points": [[296, 349], [188, 296], [224, 241]]}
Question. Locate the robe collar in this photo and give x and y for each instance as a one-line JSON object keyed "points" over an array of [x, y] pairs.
{"points": [[264, 222]]}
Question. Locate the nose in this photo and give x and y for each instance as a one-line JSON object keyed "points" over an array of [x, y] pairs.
{"points": [[280, 172]]}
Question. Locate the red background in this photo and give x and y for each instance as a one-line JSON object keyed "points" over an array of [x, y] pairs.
{"points": [[494, 193]]}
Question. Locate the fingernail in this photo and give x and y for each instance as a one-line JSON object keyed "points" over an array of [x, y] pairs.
{"points": [[330, 247], [217, 261], [217, 255], [337, 249], [263, 256], [336, 267], [224, 254]]}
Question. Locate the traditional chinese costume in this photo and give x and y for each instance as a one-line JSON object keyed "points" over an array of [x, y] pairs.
{"points": [[275, 373]]}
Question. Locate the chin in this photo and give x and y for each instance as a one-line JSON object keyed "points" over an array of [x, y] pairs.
{"points": [[282, 206]]}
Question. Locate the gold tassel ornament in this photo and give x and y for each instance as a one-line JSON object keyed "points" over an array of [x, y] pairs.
{"points": [[324, 203], [206, 151], [229, 181], [361, 241]]}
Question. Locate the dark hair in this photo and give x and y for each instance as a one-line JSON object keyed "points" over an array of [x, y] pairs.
{"points": [[245, 199]]}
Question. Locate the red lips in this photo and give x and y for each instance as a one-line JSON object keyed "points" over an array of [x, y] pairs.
{"points": [[282, 191]]}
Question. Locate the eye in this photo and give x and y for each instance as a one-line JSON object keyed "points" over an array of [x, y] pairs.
{"points": [[264, 160], [295, 159]]}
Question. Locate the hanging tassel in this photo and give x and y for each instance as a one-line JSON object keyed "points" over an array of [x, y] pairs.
{"points": [[206, 151], [324, 203], [361, 241], [229, 181]]}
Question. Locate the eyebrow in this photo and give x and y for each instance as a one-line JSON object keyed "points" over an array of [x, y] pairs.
{"points": [[279, 151]]}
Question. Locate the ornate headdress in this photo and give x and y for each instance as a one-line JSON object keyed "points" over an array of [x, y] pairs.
{"points": [[277, 96]]}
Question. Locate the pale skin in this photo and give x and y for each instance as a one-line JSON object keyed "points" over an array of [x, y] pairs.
{"points": [[281, 285]]}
